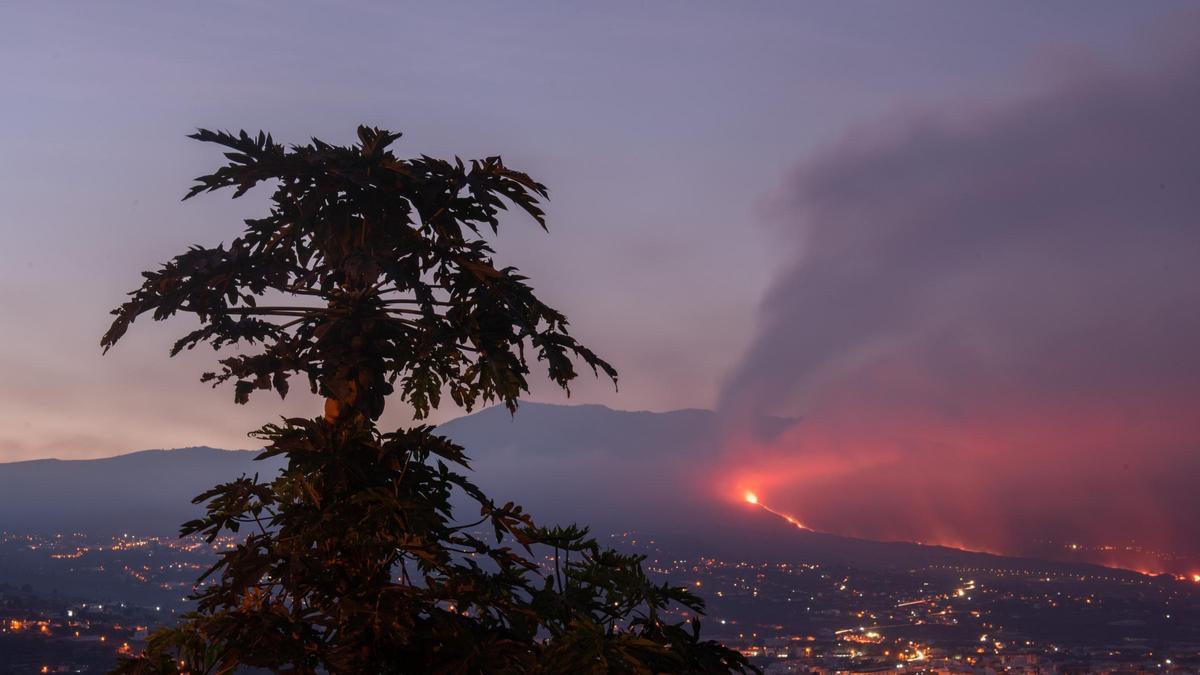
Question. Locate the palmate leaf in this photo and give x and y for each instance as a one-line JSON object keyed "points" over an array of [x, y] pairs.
{"points": [[352, 559], [396, 238]]}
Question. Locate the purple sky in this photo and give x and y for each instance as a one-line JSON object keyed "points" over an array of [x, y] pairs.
{"points": [[664, 131]]}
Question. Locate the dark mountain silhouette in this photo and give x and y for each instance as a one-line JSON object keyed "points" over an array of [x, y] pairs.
{"points": [[613, 470], [145, 492]]}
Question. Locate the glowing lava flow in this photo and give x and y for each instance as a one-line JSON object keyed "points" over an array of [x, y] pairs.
{"points": [[752, 498]]}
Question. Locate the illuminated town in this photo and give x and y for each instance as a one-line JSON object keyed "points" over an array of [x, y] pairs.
{"points": [[798, 617], [71, 603]]}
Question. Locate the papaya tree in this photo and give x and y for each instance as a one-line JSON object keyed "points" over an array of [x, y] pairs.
{"points": [[370, 280]]}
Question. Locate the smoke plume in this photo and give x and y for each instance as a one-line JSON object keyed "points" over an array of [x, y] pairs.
{"points": [[991, 325]]}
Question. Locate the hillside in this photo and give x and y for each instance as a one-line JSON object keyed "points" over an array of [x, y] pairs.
{"points": [[613, 470]]}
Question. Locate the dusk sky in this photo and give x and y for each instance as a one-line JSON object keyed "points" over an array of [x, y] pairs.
{"points": [[665, 131], [960, 242]]}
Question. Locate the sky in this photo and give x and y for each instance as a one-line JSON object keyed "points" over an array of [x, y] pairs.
{"points": [[662, 129], [959, 241]]}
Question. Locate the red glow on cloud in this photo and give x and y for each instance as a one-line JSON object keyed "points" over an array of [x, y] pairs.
{"points": [[991, 480], [988, 330]]}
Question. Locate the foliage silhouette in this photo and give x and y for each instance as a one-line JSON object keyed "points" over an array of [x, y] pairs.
{"points": [[370, 277]]}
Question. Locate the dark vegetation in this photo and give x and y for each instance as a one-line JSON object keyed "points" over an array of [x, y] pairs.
{"points": [[370, 278]]}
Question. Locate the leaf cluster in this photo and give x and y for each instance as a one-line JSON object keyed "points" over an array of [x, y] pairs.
{"points": [[354, 562], [383, 273]]}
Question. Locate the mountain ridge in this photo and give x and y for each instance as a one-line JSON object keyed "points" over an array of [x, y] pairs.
{"points": [[125, 455], [591, 464]]}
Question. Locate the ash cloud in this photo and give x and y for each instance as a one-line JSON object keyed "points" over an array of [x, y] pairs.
{"points": [[993, 319]]}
